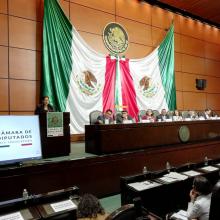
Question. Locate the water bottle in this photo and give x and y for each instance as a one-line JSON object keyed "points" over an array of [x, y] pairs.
{"points": [[168, 167], [145, 170], [206, 161], [25, 194]]}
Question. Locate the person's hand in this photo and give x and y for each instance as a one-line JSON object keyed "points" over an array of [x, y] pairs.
{"points": [[193, 194]]}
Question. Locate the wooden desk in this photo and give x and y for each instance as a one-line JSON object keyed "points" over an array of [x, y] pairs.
{"points": [[104, 139], [163, 199]]}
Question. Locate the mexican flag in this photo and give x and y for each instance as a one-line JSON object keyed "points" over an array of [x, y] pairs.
{"points": [[80, 80]]}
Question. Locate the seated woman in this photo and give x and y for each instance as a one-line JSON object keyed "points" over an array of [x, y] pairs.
{"points": [[89, 208], [200, 199], [177, 116], [44, 106], [149, 116]]}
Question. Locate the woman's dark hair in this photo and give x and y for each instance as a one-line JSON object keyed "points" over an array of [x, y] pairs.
{"points": [[89, 207], [46, 96], [202, 185]]}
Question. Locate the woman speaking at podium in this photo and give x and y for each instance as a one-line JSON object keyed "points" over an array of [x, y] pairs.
{"points": [[44, 106]]}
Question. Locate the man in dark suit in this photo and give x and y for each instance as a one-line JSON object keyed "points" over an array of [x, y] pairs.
{"points": [[105, 118], [163, 116], [124, 117]]}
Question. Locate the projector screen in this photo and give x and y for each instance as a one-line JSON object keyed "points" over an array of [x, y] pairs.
{"points": [[19, 138]]}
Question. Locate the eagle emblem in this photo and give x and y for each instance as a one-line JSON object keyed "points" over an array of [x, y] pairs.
{"points": [[147, 87], [87, 83], [115, 38]]}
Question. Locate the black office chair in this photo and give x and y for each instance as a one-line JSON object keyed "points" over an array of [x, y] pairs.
{"points": [[155, 113], [214, 213], [126, 212], [141, 113], [93, 116]]}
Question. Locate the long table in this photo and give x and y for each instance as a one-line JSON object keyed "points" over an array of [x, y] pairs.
{"points": [[166, 197], [105, 139]]}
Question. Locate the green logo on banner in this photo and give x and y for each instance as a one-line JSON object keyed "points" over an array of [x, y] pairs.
{"points": [[115, 38]]}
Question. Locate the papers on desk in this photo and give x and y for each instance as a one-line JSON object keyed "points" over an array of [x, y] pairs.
{"points": [[191, 173], [127, 122], [167, 179], [209, 168], [145, 121], [172, 177], [181, 215], [140, 186], [12, 216], [63, 205], [177, 176]]}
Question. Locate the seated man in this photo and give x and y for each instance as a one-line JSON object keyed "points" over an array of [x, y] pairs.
{"points": [[124, 117], [207, 113], [200, 199], [192, 115], [163, 116], [105, 118]]}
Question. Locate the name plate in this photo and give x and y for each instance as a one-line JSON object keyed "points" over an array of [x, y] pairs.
{"points": [[209, 168], [12, 216], [191, 173], [64, 205]]}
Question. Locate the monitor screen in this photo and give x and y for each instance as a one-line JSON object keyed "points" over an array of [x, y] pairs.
{"points": [[19, 138]]}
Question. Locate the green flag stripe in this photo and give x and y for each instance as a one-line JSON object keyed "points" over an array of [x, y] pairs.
{"points": [[57, 60], [166, 65]]}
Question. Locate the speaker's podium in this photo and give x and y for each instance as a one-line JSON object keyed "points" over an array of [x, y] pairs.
{"points": [[55, 144]]}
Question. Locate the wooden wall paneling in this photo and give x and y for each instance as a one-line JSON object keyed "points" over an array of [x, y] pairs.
{"points": [[179, 100], [137, 51], [23, 95], [213, 101], [192, 64], [4, 113], [4, 95], [95, 42], [176, 22], [211, 34], [192, 46], [194, 100], [158, 35], [3, 62], [39, 36], [103, 5], [3, 7], [192, 28], [212, 51], [95, 24], [177, 42], [213, 84], [177, 61], [24, 8], [178, 81], [212, 67], [137, 32], [65, 5], [134, 10], [22, 33], [4, 30], [189, 82], [24, 64], [22, 113], [161, 18]]}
